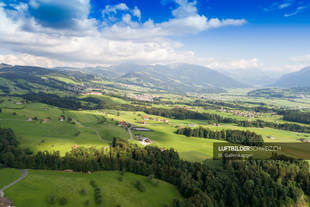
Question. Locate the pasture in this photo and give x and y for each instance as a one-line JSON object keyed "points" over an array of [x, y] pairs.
{"points": [[38, 185]]}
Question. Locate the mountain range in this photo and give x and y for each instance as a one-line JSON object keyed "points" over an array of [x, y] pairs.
{"points": [[300, 78], [178, 78], [174, 78]]}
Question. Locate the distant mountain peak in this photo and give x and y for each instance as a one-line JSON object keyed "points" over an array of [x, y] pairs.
{"points": [[296, 79], [3, 65]]}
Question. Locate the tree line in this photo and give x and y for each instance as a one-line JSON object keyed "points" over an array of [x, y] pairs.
{"points": [[233, 136], [254, 183], [297, 116]]}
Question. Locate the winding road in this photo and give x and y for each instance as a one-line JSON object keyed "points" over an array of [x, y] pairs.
{"points": [[25, 173]]}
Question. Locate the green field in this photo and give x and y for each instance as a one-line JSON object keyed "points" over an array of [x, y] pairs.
{"points": [[8, 175], [38, 185], [85, 130], [97, 128]]}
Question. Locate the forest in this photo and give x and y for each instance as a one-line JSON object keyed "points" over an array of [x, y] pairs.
{"points": [[297, 116], [233, 136], [269, 183]]}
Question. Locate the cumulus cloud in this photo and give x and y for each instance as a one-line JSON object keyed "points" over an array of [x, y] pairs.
{"points": [[109, 9], [67, 36], [58, 13], [136, 12], [186, 20]]}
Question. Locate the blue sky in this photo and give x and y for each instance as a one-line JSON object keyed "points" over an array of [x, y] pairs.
{"points": [[220, 34]]}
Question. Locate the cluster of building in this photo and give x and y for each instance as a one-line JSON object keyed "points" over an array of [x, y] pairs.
{"points": [[61, 118], [143, 97], [144, 140], [93, 93], [247, 114], [303, 140], [146, 118]]}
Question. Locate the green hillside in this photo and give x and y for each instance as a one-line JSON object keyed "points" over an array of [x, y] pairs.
{"points": [[116, 189]]}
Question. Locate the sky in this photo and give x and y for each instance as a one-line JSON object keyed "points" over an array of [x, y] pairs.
{"points": [[220, 34]]}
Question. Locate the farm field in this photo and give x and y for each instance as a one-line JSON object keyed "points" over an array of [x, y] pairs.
{"points": [[38, 185], [47, 132], [95, 128]]}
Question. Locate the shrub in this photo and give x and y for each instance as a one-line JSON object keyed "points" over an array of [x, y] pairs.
{"points": [[86, 203], [98, 199], [83, 191], [52, 199], [156, 183], [93, 183], [120, 178], [150, 178], [63, 201], [139, 186]]}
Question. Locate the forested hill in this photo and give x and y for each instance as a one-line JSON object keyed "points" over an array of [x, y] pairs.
{"points": [[177, 78]]}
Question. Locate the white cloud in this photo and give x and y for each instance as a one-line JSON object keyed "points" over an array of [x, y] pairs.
{"points": [[280, 5], [230, 64], [185, 9], [186, 20], [304, 58], [136, 12], [114, 9], [297, 11], [31, 42]]}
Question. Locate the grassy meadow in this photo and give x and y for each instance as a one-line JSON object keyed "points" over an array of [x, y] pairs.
{"points": [[38, 185], [8, 175], [96, 128]]}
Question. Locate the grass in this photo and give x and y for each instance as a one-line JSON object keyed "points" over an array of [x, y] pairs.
{"points": [[55, 135], [34, 189], [89, 130], [8, 175], [194, 148]]}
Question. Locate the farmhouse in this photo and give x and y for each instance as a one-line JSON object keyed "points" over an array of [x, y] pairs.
{"points": [[29, 119], [45, 120], [123, 124], [144, 140], [303, 140], [61, 118], [143, 122], [5, 202], [75, 146]]}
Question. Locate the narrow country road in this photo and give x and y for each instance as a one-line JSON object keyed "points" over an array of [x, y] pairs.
{"points": [[25, 173], [130, 133]]}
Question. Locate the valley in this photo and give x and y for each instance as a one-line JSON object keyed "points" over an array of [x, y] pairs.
{"points": [[82, 114]]}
